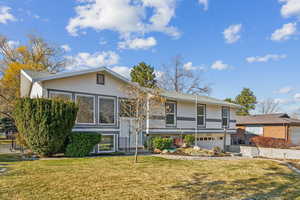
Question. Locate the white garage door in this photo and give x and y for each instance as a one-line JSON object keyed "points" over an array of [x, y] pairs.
{"points": [[209, 142], [295, 135]]}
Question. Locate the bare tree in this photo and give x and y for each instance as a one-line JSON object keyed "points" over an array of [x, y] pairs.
{"points": [[177, 78], [268, 106], [139, 104]]}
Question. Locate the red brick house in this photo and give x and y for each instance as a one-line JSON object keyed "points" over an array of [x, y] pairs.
{"points": [[279, 125]]}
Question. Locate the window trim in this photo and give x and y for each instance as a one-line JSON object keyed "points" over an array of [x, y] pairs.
{"points": [[60, 92], [204, 116], [114, 144], [228, 116], [94, 110], [115, 111], [97, 80], [175, 114]]}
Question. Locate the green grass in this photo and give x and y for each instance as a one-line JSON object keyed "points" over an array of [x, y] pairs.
{"points": [[117, 177], [10, 157]]}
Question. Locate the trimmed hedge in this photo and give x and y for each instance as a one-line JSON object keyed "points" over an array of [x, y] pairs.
{"points": [[45, 124], [269, 142], [162, 143], [81, 144]]}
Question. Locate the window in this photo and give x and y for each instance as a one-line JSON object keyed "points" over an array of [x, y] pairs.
{"points": [[100, 79], [107, 111], [225, 117], [107, 143], [200, 115], [127, 108], [170, 113], [60, 95], [86, 112]]}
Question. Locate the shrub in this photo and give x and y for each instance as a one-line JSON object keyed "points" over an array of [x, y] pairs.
{"points": [[81, 144], [44, 123], [162, 143], [217, 150], [268, 142], [189, 140]]}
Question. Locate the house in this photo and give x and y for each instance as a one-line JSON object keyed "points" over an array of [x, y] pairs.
{"points": [[99, 95], [278, 125]]}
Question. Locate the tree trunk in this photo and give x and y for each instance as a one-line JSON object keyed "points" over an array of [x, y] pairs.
{"points": [[136, 147]]}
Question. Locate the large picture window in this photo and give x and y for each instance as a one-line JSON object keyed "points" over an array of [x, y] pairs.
{"points": [[107, 111], [60, 95], [225, 116], [86, 112], [200, 115], [170, 113]]}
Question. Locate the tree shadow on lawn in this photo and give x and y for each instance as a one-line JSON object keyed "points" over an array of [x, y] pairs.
{"points": [[268, 186]]}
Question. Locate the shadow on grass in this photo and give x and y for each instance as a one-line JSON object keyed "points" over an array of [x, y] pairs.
{"points": [[286, 186], [11, 157]]}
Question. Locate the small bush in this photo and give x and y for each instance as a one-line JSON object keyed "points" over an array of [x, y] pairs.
{"points": [[162, 143], [81, 144], [44, 124], [189, 140], [268, 142], [217, 150]]}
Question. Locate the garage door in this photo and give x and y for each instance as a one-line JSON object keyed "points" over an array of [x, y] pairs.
{"points": [[295, 135], [209, 142]]}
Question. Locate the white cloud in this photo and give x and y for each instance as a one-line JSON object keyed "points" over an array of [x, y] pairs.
{"points": [[86, 60], [124, 16], [284, 90], [124, 71], [204, 3], [283, 101], [232, 33], [290, 8], [285, 32], [266, 58], [66, 47], [297, 96], [13, 44], [138, 43], [5, 15], [189, 66], [219, 65]]}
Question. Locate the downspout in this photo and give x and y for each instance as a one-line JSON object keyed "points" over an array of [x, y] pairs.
{"points": [[196, 128]]}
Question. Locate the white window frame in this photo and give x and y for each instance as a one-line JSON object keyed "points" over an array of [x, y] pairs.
{"points": [[115, 111], [115, 144], [204, 115], [60, 92], [94, 110], [228, 116], [175, 113]]}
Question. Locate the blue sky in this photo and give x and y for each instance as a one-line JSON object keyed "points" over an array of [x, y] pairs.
{"points": [[232, 44]]}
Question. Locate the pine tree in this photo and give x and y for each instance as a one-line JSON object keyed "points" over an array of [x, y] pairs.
{"points": [[247, 100], [144, 75]]}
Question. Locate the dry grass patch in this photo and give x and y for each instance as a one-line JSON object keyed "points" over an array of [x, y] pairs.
{"points": [[152, 178]]}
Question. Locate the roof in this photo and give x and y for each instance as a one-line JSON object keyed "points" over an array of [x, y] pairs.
{"points": [[45, 76], [275, 118], [35, 76], [199, 98]]}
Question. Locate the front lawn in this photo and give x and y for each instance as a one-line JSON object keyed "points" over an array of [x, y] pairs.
{"points": [[152, 178]]}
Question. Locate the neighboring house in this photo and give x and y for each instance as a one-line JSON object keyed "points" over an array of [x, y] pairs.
{"points": [[278, 125], [99, 93]]}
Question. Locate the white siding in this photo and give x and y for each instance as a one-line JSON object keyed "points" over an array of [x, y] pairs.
{"points": [[213, 112], [87, 84], [37, 90], [25, 86]]}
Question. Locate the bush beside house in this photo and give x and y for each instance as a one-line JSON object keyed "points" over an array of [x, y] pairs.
{"points": [[81, 144], [189, 140], [162, 143], [269, 142], [45, 124]]}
